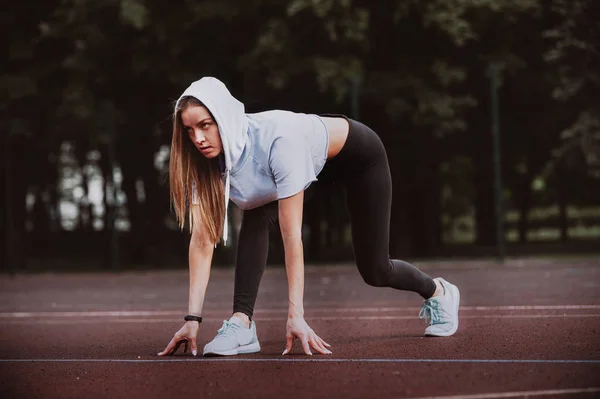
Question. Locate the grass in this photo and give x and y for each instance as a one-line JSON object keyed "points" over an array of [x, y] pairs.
{"points": [[463, 227]]}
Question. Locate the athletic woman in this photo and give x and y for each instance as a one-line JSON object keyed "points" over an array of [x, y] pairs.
{"points": [[264, 163]]}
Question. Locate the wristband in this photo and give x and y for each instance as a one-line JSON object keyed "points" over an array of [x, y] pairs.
{"points": [[190, 317]]}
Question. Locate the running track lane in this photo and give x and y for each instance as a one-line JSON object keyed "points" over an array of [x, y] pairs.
{"points": [[526, 329]]}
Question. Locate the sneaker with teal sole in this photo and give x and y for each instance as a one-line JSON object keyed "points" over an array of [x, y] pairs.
{"points": [[441, 312], [233, 338]]}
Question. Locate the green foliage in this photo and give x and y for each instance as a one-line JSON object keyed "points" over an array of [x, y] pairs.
{"points": [[575, 54], [100, 72], [134, 12]]}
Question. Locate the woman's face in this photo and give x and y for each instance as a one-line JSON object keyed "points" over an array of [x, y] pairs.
{"points": [[202, 130]]}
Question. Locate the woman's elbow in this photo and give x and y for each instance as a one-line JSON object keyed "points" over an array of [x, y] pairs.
{"points": [[200, 242], [291, 236]]}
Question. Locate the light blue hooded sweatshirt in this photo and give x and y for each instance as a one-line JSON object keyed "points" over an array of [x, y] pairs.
{"points": [[268, 155]]}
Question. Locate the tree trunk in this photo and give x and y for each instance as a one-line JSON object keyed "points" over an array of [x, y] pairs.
{"points": [[107, 164], [129, 158], [85, 209], [425, 197], [313, 206], [563, 202], [338, 215], [522, 196], [6, 225], [398, 150], [53, 192], [107, 181], [136, 158], [18, 201], [155, 207], [483, 167]]}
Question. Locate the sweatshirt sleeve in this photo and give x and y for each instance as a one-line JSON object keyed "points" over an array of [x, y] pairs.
{"points": [[291, 164]]}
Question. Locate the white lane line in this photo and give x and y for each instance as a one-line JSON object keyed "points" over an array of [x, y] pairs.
{"points": [[517, 394], [300, 360], [87, 309], [266, 319], [121, 313], [140, 313], [105, 320], [534, 307]]}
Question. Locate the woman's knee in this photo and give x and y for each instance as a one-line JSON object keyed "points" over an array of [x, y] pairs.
{"points": [[375, 274]]}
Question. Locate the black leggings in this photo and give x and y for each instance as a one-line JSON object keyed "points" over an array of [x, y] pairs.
{"points": [[362, 166]]}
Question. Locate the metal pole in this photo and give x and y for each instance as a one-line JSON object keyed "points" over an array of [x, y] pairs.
{"points": [[495, 83]]}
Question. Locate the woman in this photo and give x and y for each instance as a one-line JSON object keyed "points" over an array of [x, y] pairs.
{"points": [[265, 163]]}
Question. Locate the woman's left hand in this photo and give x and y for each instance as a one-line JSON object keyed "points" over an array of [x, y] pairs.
{"points": [[296, 327]]}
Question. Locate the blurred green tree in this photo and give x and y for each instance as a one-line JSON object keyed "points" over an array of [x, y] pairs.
{"points": [[101, 78]]}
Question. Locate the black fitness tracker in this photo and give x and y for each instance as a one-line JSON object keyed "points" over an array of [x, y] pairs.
{"points": [[190, 317]]}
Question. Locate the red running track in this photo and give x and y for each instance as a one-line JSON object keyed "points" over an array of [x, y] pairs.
{"points": [[528, 328]]}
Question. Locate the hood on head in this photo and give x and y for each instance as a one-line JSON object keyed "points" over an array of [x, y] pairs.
{"points": [[229, 113]]}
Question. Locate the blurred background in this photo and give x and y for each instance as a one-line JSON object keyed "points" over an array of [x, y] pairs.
{"points": [[489, 110]]}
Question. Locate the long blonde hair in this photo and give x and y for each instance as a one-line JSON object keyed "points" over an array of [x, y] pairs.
{"points": [[190, 171]]}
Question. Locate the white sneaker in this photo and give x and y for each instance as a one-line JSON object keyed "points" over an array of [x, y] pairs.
{"points": [[233, 338], [442, 311]]}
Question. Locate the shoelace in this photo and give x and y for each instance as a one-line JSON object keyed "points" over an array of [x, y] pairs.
{"points": [[227, 328], [431, 312]]}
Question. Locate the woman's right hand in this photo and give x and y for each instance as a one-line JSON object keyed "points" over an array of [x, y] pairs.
{"points": [[186, 335]]}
